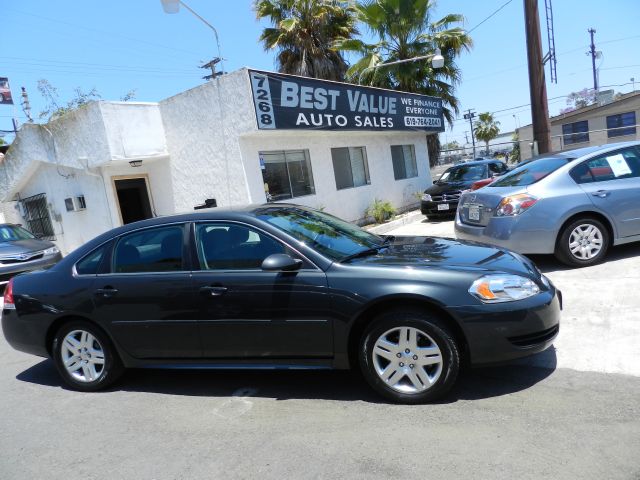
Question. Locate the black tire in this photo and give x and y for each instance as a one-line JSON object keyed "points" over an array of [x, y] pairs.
{"points": [[109, 372], [563, 251], [426, 323]]}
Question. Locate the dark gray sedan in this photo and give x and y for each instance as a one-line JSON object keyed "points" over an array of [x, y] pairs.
{"points": [[280, 286], [21, 251]]}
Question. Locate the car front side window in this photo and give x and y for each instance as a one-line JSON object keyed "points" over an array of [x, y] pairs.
{"points": [[227, 246]]}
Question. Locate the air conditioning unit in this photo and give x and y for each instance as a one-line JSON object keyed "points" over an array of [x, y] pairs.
{"points": [[74, 204]]}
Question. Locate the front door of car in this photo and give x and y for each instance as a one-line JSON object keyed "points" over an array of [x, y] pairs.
{"points": [[146, 300], [612, 182], [249, 313]]}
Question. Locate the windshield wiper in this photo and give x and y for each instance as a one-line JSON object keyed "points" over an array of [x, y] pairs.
{"points": [[364, 253]]}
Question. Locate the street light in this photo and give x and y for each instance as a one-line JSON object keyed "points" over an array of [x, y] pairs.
{"points": [[437, 61], [173, 6]]}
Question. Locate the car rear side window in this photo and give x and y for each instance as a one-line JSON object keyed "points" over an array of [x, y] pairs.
{"points": [[90, 264], [612, 166], [530, 173], [150, 250]]}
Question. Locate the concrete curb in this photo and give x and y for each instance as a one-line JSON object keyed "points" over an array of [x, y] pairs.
{"points": [[406, 218]]}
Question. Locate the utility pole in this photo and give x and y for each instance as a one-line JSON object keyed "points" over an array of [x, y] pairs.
{"points": [[469, 115], [537, 85], [593, 53]]}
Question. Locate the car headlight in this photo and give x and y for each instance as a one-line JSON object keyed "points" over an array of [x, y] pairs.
{"points": [[503, 288], [51, 251], [426, 197]]}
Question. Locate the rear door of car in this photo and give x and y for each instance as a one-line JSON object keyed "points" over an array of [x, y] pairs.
{"points": [[249, 313], [145, 300], [612, 182]]}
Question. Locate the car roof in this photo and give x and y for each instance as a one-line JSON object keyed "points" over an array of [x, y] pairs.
{"points": [[476, 162]]}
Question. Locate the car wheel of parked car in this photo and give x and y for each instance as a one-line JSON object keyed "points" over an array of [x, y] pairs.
{"points": [[583, 242], [85, 357], [408, 356]]}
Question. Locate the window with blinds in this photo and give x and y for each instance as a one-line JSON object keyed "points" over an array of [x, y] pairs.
{"points": [[404, 161], [350, 167]]}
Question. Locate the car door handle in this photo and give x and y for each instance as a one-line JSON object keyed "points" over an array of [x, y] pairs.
{"points": [[213, 291], [601, 193], [106, 292]]}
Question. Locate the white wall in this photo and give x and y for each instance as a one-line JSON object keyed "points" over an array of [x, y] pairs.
{"points": [[72, 229], [347, 203], [202, 127]]}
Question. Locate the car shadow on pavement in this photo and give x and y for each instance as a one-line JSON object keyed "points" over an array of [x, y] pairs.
{"points": [[472, 384], [549, 263]]}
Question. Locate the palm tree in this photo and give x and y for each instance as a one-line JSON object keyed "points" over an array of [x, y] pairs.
{"points": [[404, 29], [486, 129], [304, 32]]}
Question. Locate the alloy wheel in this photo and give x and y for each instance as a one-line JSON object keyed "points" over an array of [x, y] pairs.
{"points": [[82, 356], [407, 359], [585, 241]]}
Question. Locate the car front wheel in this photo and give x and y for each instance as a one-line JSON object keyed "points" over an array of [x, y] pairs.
{"points": [[583, 242], [84, 357], [408, 356]]}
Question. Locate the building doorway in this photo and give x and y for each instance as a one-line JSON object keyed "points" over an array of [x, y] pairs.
{"points": [[133, 199]]}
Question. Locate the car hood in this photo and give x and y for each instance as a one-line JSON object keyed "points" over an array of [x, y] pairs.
{"points": [[23, 246], [415, 252], [438, 188]]}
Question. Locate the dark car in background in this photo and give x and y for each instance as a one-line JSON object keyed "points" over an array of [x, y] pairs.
{"points": [[441, 199], [21, 251], [280, 286]]}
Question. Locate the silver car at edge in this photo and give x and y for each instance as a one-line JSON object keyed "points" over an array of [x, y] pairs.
{"points": [[574, 204]]}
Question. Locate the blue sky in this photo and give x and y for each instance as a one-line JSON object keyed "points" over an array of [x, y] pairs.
{"points": [[120, 45]]}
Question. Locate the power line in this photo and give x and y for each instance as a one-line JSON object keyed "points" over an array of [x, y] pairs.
{"points": [[504, 5]]}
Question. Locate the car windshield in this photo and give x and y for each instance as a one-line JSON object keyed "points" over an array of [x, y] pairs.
{"points": [[11, 233], [325, 233], [464, 173], [530, 172]]}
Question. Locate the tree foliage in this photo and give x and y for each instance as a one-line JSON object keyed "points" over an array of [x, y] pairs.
{"points": [[405, 29], [486, 128], [580, 99], [54, 107], [303, 33]]}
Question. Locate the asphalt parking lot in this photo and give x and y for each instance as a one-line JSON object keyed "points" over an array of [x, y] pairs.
{"points": [[572, 412]]}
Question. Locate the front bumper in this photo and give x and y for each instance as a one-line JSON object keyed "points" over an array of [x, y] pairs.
{"points": [[432, 208], [522, 233], [510, 330], [10, 270]]}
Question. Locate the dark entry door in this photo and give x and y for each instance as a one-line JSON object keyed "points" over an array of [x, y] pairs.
{"points": [[133, 198], [250, 313]]}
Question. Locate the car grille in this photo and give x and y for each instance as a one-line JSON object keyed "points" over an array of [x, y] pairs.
{"points": [[537, 338], [445, 197], [11, 259]]}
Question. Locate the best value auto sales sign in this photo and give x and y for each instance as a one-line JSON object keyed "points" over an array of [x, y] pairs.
{"points": [[287, 102]]}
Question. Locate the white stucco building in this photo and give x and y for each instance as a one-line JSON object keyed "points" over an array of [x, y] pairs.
{"points": [[109, 163]]}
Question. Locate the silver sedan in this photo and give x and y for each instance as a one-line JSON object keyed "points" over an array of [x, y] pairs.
{"points": [[574, 204]]}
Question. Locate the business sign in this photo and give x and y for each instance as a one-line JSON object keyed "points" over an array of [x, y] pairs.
{"points": [[5, 92], [286, 102]]}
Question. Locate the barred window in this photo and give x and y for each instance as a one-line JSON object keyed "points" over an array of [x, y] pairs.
{"points": [[36, 214]]}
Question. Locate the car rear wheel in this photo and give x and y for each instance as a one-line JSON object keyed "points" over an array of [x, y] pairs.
{"points": [[84, 357], [583, 242], [408, 356]]}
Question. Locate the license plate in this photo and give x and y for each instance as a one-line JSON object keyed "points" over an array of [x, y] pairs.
{"points": [[474, 213], [443, 206]]}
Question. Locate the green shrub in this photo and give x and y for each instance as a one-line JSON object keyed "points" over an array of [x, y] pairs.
{"points": [[380, 210]]}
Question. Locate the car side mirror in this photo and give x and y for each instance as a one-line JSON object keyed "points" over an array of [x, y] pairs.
{"points": [[281, 262]]}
